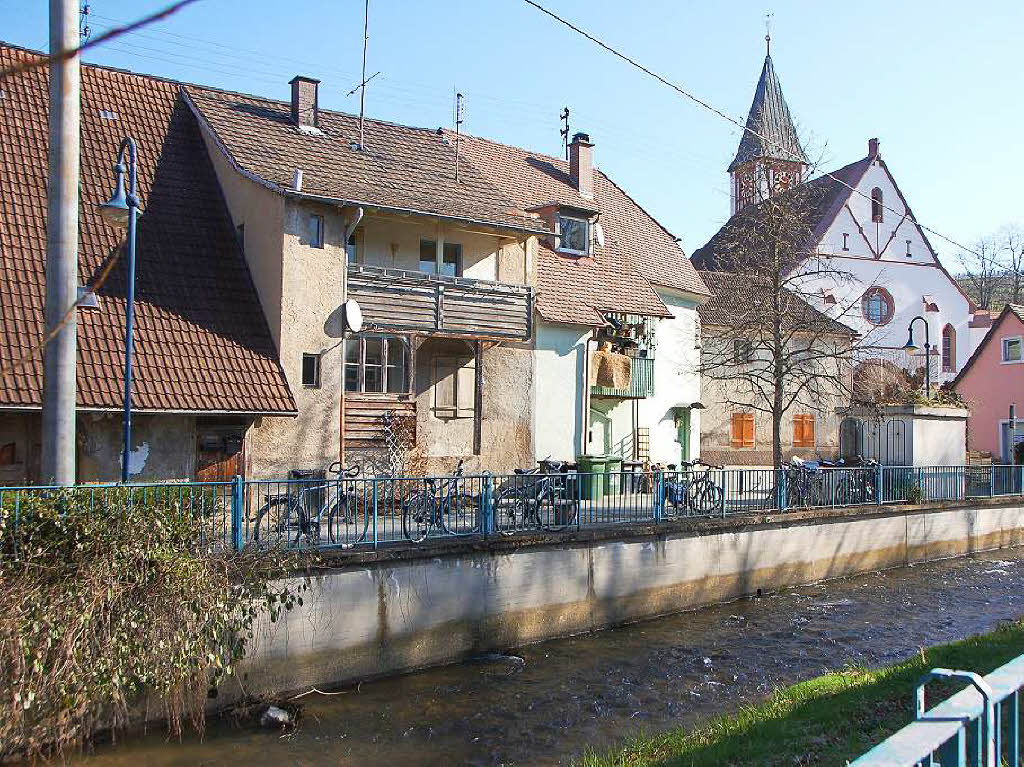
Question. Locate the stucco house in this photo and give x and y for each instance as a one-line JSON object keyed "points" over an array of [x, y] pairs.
{"points": [[867, 261], [990, 382]]}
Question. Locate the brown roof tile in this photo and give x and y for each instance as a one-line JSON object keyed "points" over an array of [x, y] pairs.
{"points": [[197, 313]]}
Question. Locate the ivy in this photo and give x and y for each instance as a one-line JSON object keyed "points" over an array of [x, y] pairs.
{"points": [[107, 602]]}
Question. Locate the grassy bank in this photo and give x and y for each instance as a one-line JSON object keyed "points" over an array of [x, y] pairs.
{"points": [[826, 720]]}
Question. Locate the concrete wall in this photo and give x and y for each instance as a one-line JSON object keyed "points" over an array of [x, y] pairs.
{"points": [[559, 369], [380, 618]]}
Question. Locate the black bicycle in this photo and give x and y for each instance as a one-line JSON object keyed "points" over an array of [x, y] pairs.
{"points": [[543, 498], [692, 490], [300, 512], [435, 505]]}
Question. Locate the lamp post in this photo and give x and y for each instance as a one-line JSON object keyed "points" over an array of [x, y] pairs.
{"points": [[121, 210], [910, 346]]}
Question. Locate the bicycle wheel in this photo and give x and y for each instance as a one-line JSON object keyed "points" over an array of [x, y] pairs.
{"points": [[418, 517], [511, 510], [704, 497], [560, 512], [273, 523], [343, 521]]}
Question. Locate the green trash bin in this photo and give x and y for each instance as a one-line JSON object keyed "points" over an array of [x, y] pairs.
{"points": [[613, 475], [592, 483]]}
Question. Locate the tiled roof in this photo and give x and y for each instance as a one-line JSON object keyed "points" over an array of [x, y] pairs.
{"points": [[637, 255], [202, 342], [403, 168], [739, 299], [769, 118], [810, 208]]}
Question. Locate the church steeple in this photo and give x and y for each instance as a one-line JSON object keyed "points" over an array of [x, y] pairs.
{"points": [[769, 156]]}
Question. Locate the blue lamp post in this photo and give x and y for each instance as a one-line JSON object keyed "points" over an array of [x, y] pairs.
{"points": [[121, 210], [910, 346]]}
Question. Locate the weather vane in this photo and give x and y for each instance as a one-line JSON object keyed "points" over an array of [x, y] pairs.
{"points": [[768, 31]]}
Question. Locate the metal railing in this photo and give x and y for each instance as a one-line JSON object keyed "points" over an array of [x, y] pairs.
{"points": [[978, 726], [350, 512]]}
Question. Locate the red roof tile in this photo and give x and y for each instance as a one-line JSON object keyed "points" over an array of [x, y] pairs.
{"points": [[202, 342]]}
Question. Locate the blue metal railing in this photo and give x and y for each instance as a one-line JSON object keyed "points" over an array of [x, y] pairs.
{"points": [[978, 726], [373, 511]]}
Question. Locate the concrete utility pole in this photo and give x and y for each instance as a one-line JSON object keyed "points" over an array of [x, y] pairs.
{"points": [[59, 355]]}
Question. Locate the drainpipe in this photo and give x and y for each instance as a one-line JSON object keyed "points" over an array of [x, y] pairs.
{"points": [[349, 229], [585, 399]]}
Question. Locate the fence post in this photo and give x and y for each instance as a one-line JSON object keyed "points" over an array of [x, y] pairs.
{"points": [[236, 512], [658, 494], [781, 490], [879, 477], [992, 480], [375, 480], [487, 506]]}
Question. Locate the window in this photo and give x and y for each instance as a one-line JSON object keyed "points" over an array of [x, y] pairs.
{"points": [[377, 365], [316, 231], [846, 240], [742, 430], [803, 430], [877, 207], [909, 254], [351, 251], [1013, 350], [877, 306], [451, 259], [574, 235], [454, 387], [948, 349], [742, 351], [311, 370]]}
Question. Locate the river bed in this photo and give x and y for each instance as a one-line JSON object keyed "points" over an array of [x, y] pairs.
{"points": [[594, 690]]}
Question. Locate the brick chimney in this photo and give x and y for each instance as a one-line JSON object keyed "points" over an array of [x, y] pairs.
{"points": [[305, 109], [581, 165], [872, 148]]}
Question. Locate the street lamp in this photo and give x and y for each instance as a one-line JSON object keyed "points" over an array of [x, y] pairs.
{"points": [[910, 346], [121, 210]]}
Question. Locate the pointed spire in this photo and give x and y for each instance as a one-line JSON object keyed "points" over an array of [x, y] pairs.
{"points": [[769, 117]]}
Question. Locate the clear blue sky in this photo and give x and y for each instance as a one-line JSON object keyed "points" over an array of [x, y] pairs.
{"points": [[938, 82]]}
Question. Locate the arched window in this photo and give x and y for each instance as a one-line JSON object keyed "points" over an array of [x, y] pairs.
{"points": [[877, 306], [948, 349], [877, 206]]}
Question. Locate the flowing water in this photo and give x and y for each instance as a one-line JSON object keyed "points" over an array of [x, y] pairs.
{"points": [[566, 695]]}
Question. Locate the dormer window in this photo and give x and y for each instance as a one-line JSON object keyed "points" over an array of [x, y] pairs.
{"points": [[574, 235]]}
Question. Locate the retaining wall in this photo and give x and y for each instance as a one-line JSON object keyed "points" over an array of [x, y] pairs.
{"points": [[384, 612]]}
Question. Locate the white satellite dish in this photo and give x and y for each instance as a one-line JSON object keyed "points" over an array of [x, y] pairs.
{"points": [[599, 234], [352, 315]]}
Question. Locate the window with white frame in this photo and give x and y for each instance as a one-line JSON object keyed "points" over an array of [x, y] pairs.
{"points": [[1013, 349], [574, 235], [377, 365]]}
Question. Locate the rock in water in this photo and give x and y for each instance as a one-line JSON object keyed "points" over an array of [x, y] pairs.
{"points": [[276, 718]]}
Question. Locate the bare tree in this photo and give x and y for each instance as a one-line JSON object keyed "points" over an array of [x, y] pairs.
{"points": [[994, 273], [1011, 256], [766, 346]]}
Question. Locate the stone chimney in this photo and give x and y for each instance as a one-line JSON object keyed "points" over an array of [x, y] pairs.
{"points": [[872, 148], [581, 165], [305, 109]]}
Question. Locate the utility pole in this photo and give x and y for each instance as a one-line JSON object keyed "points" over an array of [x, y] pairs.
{"points": [[57, 462]]}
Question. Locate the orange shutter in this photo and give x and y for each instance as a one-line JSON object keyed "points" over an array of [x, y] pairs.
{"points": [[742, 430], [803, 430]]}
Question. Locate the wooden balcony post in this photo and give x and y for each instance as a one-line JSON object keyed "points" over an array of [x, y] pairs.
{"points": [[478, 398]]}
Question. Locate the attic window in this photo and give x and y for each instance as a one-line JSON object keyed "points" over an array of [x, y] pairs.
{"points": [[106, 114], [573, 235], [909, 254], [877, 207], [846, 240]]}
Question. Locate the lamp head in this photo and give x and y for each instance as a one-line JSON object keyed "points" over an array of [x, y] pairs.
{"points": [[910, 346], [116, 210]]}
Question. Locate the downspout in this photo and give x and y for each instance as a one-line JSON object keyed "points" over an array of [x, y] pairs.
{"points": [[349, 229], [585, 399]]}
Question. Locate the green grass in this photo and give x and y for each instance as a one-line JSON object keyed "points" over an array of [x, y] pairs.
{"points": [[826, 720]]}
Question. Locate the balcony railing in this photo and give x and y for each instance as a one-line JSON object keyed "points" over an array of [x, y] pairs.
{"points": [[399, 300], [641, 381]]}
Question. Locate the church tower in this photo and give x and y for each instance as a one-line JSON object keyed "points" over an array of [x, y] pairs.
{"points": [[770, 158]]}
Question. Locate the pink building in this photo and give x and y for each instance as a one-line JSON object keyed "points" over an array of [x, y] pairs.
{"points": [[991, 381]]}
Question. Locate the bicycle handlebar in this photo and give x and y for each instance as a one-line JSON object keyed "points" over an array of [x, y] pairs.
{"points": [[351, 472]]}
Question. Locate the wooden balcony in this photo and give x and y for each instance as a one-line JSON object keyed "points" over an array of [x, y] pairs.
{"points": [[404, 301], [641, 381]]}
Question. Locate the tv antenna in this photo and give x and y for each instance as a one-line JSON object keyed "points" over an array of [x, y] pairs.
{"points": [[84, 31], [362, 80], [564, 117], [460, 116]]}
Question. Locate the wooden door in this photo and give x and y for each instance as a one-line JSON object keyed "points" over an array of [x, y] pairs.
{"points": [[219, 455]]}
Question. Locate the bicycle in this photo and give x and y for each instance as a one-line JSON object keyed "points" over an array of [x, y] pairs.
{"points": [[535, 495], [857, 482], [695, 494], [288, 512], [805, 484], [428, 508]]}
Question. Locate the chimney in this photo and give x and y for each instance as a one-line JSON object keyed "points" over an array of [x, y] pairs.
{"points": [[305, 109], [581, 164], [872, 148]]}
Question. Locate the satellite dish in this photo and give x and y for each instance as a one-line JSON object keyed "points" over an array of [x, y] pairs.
{"points": [[599, 234], [352, 315]]}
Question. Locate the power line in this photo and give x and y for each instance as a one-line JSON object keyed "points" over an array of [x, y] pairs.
{"points": [[711, 108]]}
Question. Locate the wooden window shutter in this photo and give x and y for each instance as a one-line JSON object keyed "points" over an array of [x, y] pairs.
{"points": [[748, 430], [445, 369], [742, 430], [465, 390], [803, 430]]}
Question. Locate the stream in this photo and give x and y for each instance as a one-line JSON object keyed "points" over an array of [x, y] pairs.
{"points": [[594, 690]]}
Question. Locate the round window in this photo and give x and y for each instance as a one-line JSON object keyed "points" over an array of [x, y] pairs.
{"points": [[877, 306]]}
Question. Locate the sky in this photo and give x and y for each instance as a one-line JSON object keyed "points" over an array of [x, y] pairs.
{"points": [[939, 83]]}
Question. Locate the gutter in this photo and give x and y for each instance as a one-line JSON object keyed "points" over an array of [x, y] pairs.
{"points": [[160, 411]]}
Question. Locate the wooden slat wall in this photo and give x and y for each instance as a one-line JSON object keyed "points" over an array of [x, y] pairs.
{"points": [[363, 425]]}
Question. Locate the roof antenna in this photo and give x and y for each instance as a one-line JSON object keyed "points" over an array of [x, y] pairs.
{"points": [[564, 117], [362, 84], [460, 115], [768, 33], [84, 32]]}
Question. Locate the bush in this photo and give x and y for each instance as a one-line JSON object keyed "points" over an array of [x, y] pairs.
{"points": [[107, 602]]}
